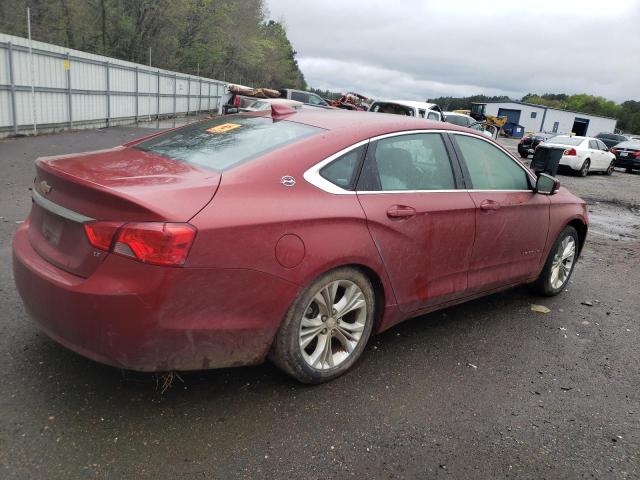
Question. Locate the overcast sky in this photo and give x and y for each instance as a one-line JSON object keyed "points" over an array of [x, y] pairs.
{"points": [[416, 49]]}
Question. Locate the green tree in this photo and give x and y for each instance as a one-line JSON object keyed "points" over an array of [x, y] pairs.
{"points": [[225, 39]]}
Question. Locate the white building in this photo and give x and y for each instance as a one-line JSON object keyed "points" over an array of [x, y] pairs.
{"points": [[539, 118]]}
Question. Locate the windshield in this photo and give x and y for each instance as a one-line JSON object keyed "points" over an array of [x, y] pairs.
{"points": [[564, 140], [224, 142]]}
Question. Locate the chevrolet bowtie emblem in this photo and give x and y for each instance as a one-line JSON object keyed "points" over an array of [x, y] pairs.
{"points": [[44, 187]]}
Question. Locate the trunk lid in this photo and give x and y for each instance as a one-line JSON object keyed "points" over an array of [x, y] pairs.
{"points": [[120, 184]]}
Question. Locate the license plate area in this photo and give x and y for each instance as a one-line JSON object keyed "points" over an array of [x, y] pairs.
{"points": [[51, 229]]}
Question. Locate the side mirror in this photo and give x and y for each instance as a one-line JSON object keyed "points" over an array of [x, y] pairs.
{"points": [[546, 184]]}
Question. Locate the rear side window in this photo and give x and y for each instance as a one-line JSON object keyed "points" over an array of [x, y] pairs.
{"points": [[593, 145], [433, 115], [343, 170], [489, 167], [408, 162], [457, 120], [224, 142]]}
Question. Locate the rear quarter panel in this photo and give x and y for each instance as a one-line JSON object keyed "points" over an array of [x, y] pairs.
{"points": [[252, 212]]}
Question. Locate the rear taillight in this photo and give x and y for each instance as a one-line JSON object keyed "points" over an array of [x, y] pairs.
{"points": [[613, 150], [236, 101], [636, 154], [100, 234], [147, 242], [570, 151]]}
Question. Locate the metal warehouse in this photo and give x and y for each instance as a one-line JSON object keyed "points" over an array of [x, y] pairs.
{"points": [[539, 118]]}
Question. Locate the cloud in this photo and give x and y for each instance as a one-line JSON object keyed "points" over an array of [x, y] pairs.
{"points": [[420, 49]]}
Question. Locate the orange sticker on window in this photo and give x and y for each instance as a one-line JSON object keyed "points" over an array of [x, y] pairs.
{"points": [[225, 127]]}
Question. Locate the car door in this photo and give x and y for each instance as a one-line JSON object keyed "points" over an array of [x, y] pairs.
{"points": [[512, 221], [595, 154], [422, 222], [606, 154]]}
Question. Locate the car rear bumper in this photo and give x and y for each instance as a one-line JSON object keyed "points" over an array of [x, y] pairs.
{"points": [[148, 318], [572, 161], [628, 162]]}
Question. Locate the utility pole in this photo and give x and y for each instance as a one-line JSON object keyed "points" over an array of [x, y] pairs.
{"points": [[31, 75], [149, 86]]}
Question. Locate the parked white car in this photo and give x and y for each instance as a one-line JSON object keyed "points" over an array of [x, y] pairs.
{"points": [[430, 111], [584, 154]]}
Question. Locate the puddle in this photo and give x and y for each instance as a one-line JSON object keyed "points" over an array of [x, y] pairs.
{"points": [[614, 221]]}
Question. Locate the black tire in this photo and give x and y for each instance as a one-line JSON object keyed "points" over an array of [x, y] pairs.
{"points": [[286, 352], [584, 170], [543, 285], [629, 170], [611, 168]]}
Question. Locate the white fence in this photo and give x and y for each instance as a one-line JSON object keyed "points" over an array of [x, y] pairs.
{"points": [[74, 89]]}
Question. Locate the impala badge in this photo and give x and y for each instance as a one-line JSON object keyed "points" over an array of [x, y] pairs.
{"points": [[288, 181], [44, 187]]}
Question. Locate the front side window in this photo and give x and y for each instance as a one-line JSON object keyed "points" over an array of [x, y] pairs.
{"points": [[433, 115], [489, 167], [226, 141], [343, 170], [408, 162], [316, 100]]}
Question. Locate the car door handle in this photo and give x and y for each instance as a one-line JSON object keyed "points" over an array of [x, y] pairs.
{"points": [[400, 211], [490, 205]]}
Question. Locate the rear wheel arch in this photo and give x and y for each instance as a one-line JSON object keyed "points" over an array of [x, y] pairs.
{"points": [[378, 289], [581, 228]]}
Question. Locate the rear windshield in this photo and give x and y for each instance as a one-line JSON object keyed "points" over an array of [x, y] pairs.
{"points": [[610, 136], [224, 142], [457, 120], [566, 140]]}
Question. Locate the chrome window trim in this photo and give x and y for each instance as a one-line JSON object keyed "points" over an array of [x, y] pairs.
{"points": [[465, 190], [312, 175], [58, 209]]}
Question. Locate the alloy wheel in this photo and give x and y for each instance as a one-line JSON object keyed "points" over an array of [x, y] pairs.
{"points": [[584, 171], [611, 168], [332, 324], [563, 262]]}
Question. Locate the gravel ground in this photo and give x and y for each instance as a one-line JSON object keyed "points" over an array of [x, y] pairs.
{"points": [[488, 389]]}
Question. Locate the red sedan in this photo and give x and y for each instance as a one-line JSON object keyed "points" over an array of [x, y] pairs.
{"points": [[292, 234]]}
